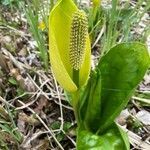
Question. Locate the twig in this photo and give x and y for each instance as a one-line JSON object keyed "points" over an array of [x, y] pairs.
{"points": [[37, 86], [73, 142], [60, 105], [67, 107], [5, 102]]}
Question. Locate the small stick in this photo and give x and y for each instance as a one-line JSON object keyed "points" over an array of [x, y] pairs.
{"points": [[60, 105], [5, 102]]}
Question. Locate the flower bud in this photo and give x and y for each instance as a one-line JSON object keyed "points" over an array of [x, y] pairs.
{"points": [[96, 3]]}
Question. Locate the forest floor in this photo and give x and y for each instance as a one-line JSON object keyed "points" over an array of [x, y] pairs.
{"points": [[34, 112]]}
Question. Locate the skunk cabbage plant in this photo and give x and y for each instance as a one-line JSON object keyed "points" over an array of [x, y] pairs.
{"points": [[69, 45], [97, 96]]}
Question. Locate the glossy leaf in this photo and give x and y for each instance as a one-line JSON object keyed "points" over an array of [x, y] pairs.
{"points": [[59, 39], [114, 139], [122, 69], [90, 105]]}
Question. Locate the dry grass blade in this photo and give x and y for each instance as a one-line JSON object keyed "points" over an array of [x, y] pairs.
{"points": [[144, 100], [5, 102], [60, 105]]}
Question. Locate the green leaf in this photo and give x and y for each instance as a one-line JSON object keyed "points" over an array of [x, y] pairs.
{"points": [[12, 81], [90, 103], [114, 139], [122, 69]]}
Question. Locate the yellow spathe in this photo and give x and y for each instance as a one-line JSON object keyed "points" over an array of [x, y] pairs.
{"points": [[59, 40]]}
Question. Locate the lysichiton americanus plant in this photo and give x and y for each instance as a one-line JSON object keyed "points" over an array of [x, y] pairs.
{"points": [[97, 96], [69, 45]]}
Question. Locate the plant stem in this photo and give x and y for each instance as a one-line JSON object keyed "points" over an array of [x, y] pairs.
{"points": [[75, 98], [75, 102], [76, 77]]}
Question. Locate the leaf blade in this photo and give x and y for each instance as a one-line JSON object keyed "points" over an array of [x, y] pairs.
{"points": [[112, 139], [122, 68]]}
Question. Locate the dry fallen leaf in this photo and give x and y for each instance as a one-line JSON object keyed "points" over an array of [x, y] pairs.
{"points": [[144, 117], [28, 119]]}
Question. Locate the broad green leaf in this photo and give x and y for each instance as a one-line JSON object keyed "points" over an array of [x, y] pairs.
{"points": [[113, 139], [59, 39], [122, 69], [90, 103]]}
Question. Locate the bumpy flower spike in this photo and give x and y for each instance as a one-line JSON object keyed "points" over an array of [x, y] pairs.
{"points": [[79, 31], [78, 39]]}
